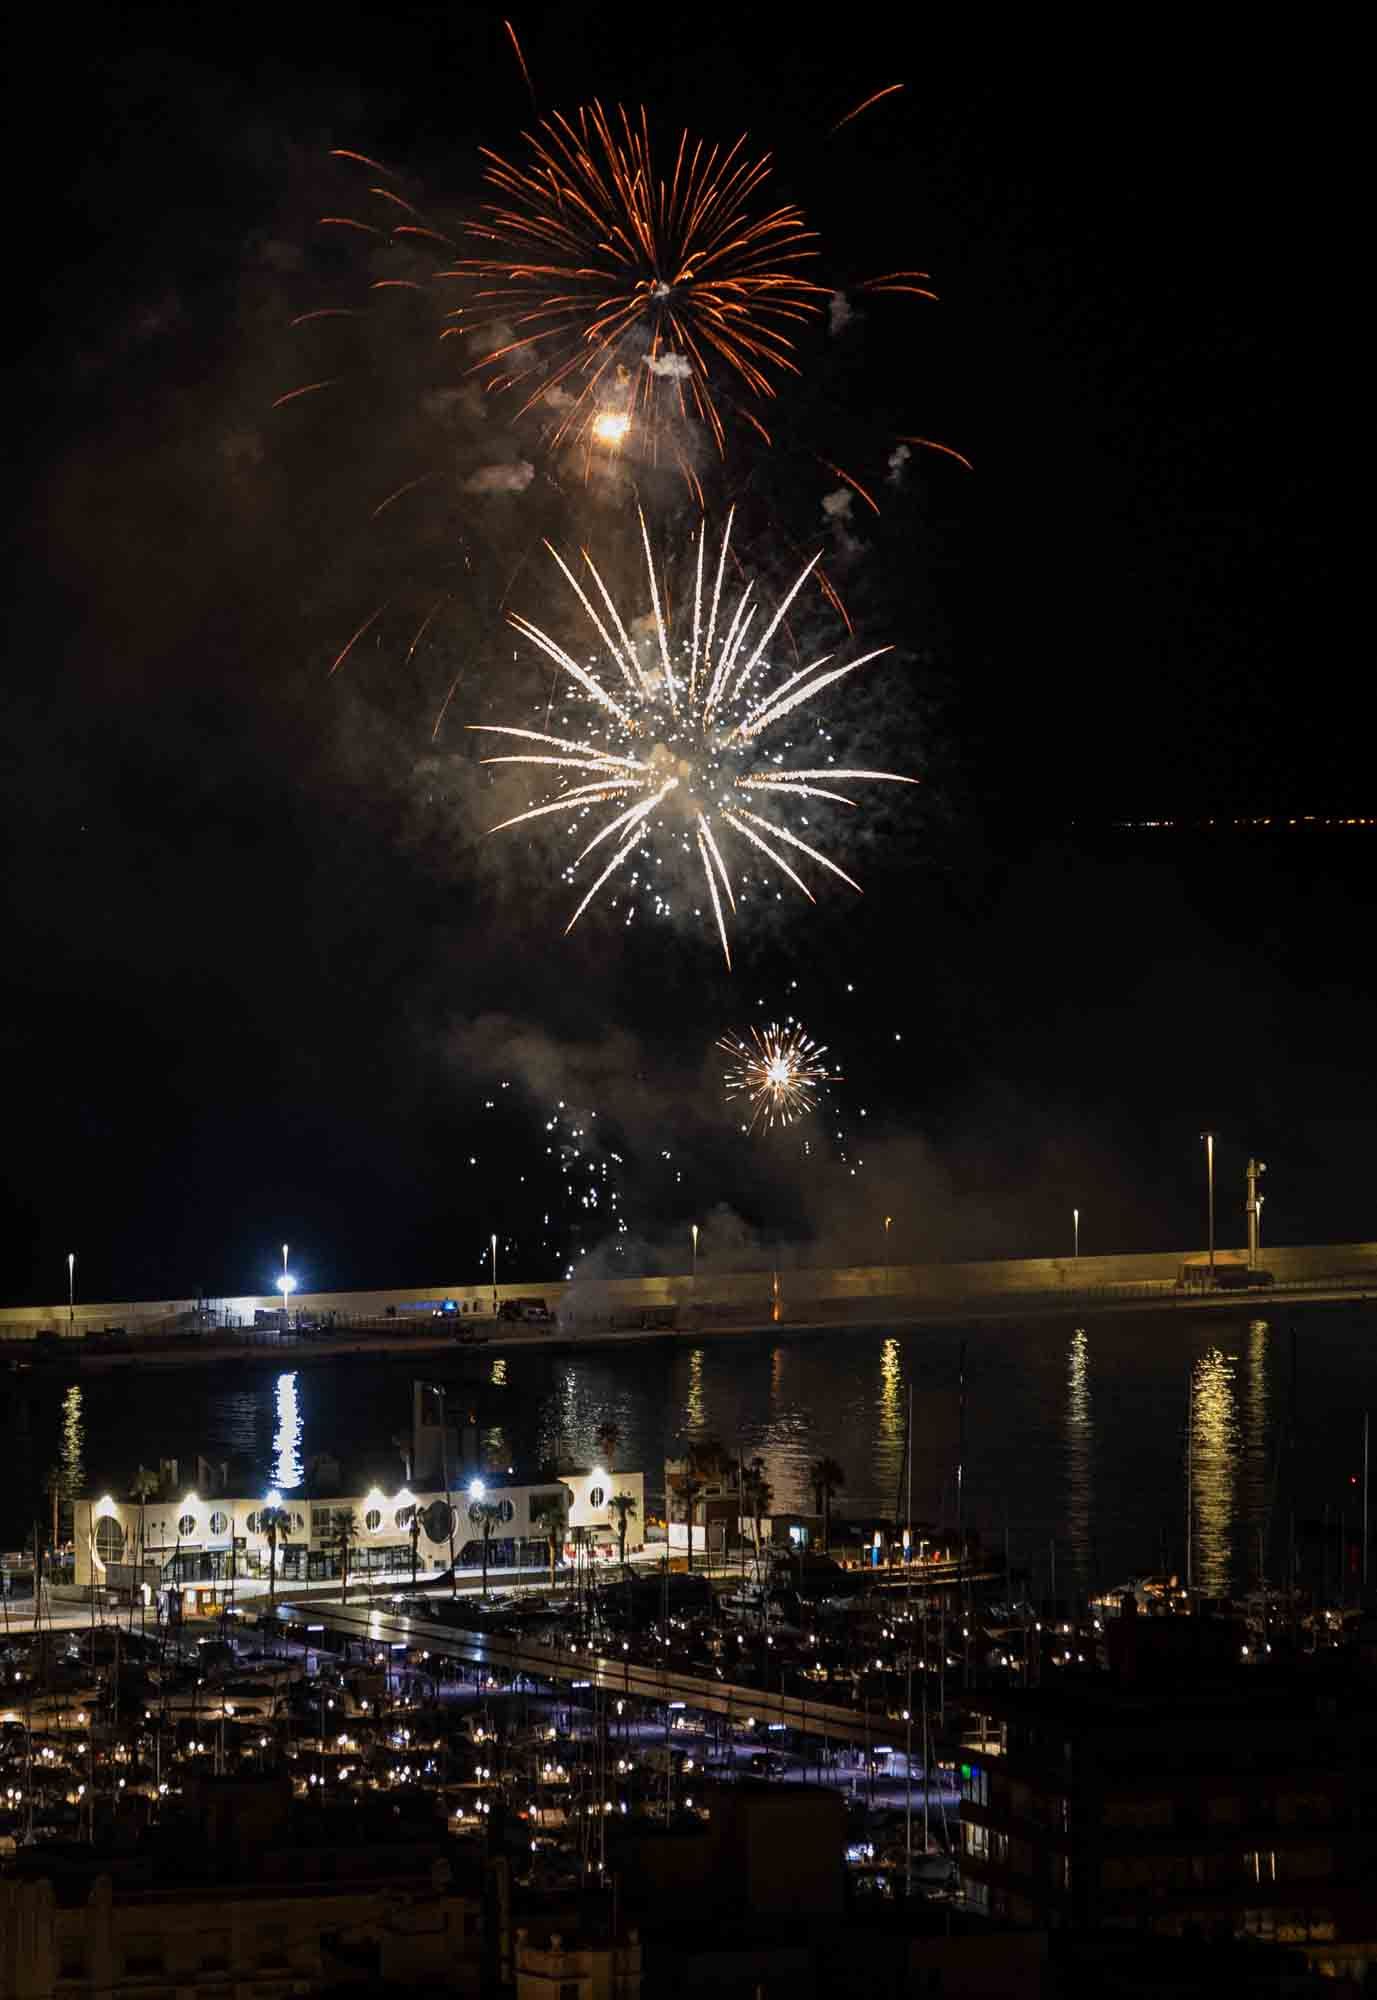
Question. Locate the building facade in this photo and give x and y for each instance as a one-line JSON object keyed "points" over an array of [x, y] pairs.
{"points": [[1243, 1806], [193, 1540]]}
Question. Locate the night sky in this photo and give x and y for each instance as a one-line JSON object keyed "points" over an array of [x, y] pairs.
{"points": [[262, 976]]}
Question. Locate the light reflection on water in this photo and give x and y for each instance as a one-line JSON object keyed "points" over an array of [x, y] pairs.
{"points": [[1077, 1432], [73, 1444], [287, 1471], [891, 1425], [1080, 1445], [1214, 1470], [1255, 1453]]}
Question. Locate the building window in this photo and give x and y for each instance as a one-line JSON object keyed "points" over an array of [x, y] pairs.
{"points": [[975, 1784], [372, 1520], [219, 1522], [975, 1840], [251, 1523], [186, 1525], [109, 1538], [404, 1516], [597, 1497]]}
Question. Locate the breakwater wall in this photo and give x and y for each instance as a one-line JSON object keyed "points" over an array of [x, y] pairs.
{"points": [[921, 1287]]}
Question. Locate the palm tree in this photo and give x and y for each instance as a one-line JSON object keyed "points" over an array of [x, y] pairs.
{"points": [[485, 1515], [144, 1486], [413, 1528], [826, 1478], [609, 1436], [551, 1511], [275, 1523], [758, 1494], [622, 1505], [346, 1534], [690, 1487]]}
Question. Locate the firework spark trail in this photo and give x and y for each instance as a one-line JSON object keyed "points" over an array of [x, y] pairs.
{"points": [[692, 739], [931, 444], [779, 1070], [864, 105]]}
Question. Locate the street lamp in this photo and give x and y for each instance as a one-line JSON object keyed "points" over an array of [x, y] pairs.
{"points": [[1076, 1231], [71, 1289], [494, 1274], [888, 1220], [286, 1284], [1208, 1137], [695, 1253]]}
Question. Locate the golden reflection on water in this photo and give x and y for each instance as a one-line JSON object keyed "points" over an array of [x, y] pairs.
{"points": [[1214, 1471], [695, 1406], [73, 1444], [888, 1456], [287, 1467], [499, 1372], [1080, 1442], [1255, 1446]]}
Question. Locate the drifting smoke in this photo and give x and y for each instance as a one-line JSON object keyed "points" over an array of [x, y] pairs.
{"points": [[839, 313], [837, 506], [898, 459], [677, 367], [513, 478]]}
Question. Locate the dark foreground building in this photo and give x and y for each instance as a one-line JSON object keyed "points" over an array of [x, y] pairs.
{"points": [[1185, 1794]]}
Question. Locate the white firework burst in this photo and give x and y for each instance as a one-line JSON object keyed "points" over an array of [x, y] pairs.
{"points": [[680, 738]]}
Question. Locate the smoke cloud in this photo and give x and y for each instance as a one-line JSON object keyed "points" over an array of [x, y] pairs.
{"points": [[839, 313], [513, 478], [677, 367]]}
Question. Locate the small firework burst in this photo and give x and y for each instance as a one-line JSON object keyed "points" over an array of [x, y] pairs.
{"points": [[779, 1069]]}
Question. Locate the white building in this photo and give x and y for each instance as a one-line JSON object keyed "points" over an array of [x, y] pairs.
{"points": [[191, 1540]]}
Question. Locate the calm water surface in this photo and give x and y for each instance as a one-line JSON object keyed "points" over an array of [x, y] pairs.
{"points": [[1076, 1437]]}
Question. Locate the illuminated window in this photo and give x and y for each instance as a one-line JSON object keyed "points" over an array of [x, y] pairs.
{"points": [[219, 1523], [372, 1520], [597, 1498], [186, 1525], [109, 1538]]}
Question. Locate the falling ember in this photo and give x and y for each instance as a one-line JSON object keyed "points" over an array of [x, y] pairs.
{"points": [[779, 1069], [605, 257], [679, 736]]}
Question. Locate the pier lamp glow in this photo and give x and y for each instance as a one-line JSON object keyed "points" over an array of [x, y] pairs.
{"points": [[272, 1499], [476, 1489]]}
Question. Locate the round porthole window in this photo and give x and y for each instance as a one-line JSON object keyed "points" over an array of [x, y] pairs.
{"points": [[438, 1519], [597, 1498], [404, 1516], [372, 1520], [507, 1510], [109, 1538], [186, 1525], [251, 1524], [219, 1522]]}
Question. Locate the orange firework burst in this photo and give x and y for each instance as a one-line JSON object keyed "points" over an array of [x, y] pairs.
{"points": [[616, 282]]}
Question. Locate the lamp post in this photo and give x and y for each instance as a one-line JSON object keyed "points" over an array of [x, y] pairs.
{"points": [[695, 1253], [1208, 1137], [887, 1221], [494, 1274], [286, 1284], [1076, 1231], [71, 1289]]}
